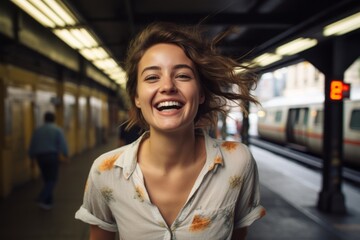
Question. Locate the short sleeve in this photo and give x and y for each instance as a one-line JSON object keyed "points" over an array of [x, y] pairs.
{"points": [[95, 209], [248, 208]]}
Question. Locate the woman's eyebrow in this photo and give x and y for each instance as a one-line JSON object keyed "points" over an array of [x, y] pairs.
{"points": [[178, 66], [150, 68]]}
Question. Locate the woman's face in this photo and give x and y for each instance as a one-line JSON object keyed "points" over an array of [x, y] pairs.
{"points": [[168, 92]]}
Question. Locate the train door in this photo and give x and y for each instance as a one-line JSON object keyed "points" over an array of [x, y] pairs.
{"points": [[301, 136], [18, 147], [82, 125], [95, 124], [293, 116], [315, 136], [296, 128], [69, 122], [19, 130]]}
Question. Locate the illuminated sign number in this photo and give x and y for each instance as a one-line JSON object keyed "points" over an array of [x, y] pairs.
{"points": [[339, 90]]}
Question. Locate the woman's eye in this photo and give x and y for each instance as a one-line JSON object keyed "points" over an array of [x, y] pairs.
{"points": [[183, 76], [151, 77]]}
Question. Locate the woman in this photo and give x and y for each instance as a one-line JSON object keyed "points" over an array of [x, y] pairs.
{"points": [[175, 182]]}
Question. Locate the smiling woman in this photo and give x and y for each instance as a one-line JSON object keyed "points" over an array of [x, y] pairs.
{"points": [[168, 92], [175, 181]]}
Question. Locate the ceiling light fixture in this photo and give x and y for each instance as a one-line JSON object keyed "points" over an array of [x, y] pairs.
{"points": [[49, 13], [84, 37], [92, 54], [35, 13], [54, 14], [61, 11], [343, 26], [68, 38], [296, 46], [266, 59]]}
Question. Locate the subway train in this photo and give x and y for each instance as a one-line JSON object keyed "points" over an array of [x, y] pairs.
{"points": [[298, 122]]}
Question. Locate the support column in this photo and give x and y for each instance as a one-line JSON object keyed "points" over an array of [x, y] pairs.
{"points": [[331, 199], [332, 58]]}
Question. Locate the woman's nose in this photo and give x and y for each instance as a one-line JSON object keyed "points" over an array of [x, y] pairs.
{"points": [[168, 85]]}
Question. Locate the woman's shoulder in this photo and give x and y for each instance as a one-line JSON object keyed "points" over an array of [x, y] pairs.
{"points": [[232, 147], [109, 160], [234, 153]]}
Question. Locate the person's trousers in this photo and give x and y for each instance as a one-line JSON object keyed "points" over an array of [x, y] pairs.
{"points": [[49, 168]]}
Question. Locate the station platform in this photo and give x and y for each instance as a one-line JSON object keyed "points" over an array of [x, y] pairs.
{"points": [[289, 194]]}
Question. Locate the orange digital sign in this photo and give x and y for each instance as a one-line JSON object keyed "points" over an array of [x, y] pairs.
{"points": [[339, 90]]}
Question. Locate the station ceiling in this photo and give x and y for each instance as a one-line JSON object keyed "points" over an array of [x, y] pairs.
{"points": [[257, 24]]}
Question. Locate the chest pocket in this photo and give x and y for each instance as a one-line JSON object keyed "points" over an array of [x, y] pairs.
{"points": [[213, 224]]}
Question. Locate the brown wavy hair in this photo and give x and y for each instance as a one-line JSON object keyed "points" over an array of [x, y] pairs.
{"points": [[215, 71]]}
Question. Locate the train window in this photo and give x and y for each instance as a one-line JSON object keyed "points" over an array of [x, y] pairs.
{"points": [[278, 115], [318, 117], [355, 119]]}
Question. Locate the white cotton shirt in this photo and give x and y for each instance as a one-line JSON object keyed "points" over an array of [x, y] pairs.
{"points": [[225, 196]]}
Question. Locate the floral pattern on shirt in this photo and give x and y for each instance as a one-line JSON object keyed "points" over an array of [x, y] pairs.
{"points": [[230, 146], [199, 223], [235, 181], [107, 193], [139, 194], [108, 163]]}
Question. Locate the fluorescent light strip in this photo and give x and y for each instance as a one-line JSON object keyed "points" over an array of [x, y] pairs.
{"points": [[267, 58], [55, 14], [48, 12], [89, 38], [120, 81], [296, 46], [88, 54], [62, 12], [100, 53], [82, 36], [34, 12], [68, 38], [343, 26], [118, 75], [119, 78], [114, 70], [105, 63], [94, 53]]}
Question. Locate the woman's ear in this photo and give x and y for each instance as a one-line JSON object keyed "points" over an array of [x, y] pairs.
{"points": [[137, 102]]}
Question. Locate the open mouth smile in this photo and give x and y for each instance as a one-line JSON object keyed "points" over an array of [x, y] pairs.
{"points": [[169, 105]]}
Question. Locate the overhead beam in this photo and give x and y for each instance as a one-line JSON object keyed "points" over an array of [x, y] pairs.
{"points": [[251, 20]]}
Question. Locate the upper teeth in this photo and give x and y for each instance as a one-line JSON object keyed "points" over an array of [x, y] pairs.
{"points": [[168, 103]]}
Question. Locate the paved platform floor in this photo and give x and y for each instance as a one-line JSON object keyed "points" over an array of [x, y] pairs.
{"points": [[289, 194]]}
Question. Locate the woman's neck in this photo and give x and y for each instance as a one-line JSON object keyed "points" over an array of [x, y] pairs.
{"points": [[167, 151]]}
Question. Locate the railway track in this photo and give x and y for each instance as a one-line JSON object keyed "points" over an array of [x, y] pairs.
{"points": [[314, 162]]}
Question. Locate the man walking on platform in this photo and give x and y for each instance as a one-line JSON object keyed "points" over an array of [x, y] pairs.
{"points": [[46, 146]]}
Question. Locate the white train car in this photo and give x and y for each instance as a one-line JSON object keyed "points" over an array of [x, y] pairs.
{"points": [[299, 122]]}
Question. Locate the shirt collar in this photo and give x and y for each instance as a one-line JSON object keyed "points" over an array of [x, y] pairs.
{"points": [[128, 160]]}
